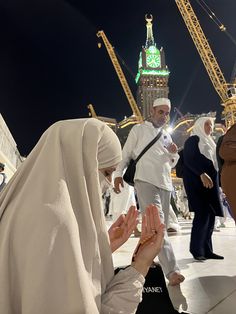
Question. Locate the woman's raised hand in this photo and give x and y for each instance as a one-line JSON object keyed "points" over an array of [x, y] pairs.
{"points": [[122, 228], [151, 240]]}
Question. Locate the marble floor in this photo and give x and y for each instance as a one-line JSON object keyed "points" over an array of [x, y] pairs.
{"points": [[210, 286]]}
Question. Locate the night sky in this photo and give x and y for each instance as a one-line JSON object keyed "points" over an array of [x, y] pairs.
{"points": [[51, 67]]}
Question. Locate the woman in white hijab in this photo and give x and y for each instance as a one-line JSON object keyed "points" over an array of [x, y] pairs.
{"points": [[200, 178], [55, 253]]}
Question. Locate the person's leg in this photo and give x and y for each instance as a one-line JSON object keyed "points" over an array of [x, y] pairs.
{"points": [[173, 223], [173, 216], [149, 194], [209, 254], [199, 233], [174, 205], [174, 276], [210, 229], [225, 212], [165, 204]]}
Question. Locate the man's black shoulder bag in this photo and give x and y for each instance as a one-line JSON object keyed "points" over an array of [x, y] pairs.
{"points": [[128, 176], [179, 167]]}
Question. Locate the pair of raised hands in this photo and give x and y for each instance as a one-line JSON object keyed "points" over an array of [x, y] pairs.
{"points": [[151, 239]]}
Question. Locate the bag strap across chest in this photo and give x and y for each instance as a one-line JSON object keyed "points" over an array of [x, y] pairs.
{"points": [[148, 146]]}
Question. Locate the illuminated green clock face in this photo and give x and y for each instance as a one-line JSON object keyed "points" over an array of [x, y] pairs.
{"points": [[153, 60], [153, 57]]}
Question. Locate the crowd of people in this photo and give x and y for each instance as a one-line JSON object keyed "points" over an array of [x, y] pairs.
{"points": [[55, 249]]}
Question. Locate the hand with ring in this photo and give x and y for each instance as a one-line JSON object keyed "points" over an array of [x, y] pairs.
{"points": [[151, 240]]}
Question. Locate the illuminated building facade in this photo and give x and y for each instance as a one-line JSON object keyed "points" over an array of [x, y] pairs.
{"points": [[153, 74]]}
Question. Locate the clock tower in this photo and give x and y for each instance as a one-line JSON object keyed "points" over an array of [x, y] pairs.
{"points": [[153, 73]]}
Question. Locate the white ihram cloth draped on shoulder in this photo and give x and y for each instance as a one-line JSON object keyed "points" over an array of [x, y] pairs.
{"points": [[155, 165], [55, 256]]}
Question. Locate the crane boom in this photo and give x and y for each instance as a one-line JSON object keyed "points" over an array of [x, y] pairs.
{"points": [[224, 90], [121, 76], [179, 112], [203, 48], [92, 111]]}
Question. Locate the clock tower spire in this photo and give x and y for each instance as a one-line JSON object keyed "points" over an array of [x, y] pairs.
{"points": [[153, 74], [150, 38]]}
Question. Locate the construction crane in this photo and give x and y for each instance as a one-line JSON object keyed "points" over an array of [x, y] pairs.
{"points": [[109, 121], [233, 74], [226, 91], [120, 73], [178, 112], [92, 112]]}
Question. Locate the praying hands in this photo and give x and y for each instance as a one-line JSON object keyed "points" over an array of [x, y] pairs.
{"points": [[151, 239], [122, 228]]}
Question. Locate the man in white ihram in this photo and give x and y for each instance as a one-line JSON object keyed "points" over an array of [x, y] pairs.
{"points": [[153, 182]]}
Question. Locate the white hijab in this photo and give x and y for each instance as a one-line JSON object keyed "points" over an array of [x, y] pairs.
{"points": [[206, 143], [54, 248]]}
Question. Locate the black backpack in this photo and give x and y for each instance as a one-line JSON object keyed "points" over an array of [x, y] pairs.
{"points": [[179, 168]]}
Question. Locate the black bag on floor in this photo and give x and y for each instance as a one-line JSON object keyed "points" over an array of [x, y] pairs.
{"points": [[155, 294]]}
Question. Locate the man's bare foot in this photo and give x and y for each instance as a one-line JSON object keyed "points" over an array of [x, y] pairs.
{"points": [[175, 278]]}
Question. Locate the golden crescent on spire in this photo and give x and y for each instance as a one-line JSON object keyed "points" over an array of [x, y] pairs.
{"points": [[149, 19]]}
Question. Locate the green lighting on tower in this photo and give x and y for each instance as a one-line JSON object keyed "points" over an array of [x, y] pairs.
{"points": [[151, 72], [153, 57], [152, 49], [140, 61]]}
